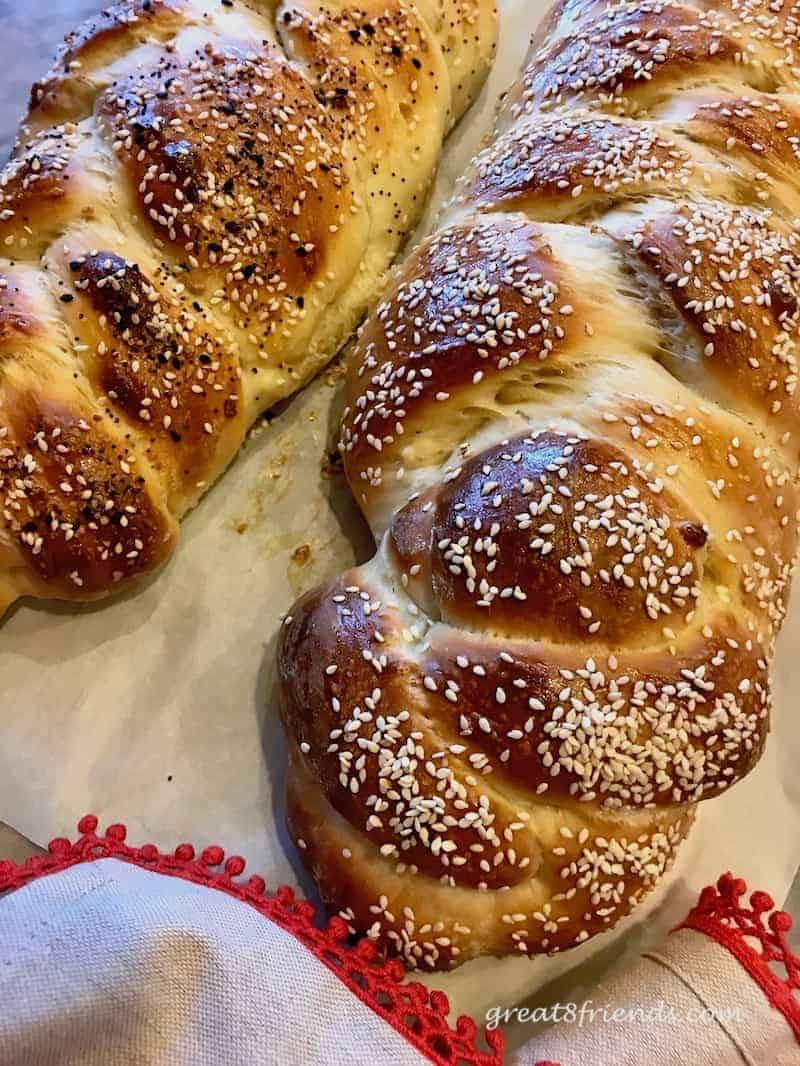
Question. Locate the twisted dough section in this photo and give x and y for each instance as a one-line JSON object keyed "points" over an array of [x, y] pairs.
{"points": [[201, 205], [573, 426]]}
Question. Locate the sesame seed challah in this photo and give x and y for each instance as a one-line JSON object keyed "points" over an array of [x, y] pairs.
{"points": [[573, 426]]}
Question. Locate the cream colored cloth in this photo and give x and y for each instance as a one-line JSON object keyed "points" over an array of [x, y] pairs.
{"points": [[689, 979], [107, 964]]}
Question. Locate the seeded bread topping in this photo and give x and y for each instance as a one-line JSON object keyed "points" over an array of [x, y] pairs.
{"points": [[572, 423], [202, 203]]}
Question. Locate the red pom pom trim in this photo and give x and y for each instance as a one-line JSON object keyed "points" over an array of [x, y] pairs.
{"points": [[420, 1016], [719, 914]]}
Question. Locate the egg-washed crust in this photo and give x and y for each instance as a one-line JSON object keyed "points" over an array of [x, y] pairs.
{"points": [[72, 492], [572, 423], [201, 205], [69, 87], [588, 875]]}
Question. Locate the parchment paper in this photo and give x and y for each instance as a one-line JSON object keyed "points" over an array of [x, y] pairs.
{"points": [[158, 709]]}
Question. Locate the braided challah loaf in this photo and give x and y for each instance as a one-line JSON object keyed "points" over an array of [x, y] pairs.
{"points": [[573, 426], [201, 205]]}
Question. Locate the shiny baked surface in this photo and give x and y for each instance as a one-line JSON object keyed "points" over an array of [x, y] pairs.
{"points": [[201, 204], [572, 424]]}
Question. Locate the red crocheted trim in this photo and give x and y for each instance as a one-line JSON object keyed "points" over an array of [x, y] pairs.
{"points": [[756, 936], [418, 1014]]}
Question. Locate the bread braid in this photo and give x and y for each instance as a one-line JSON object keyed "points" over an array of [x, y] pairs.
{"points": [[202, 203], [573, 426]]}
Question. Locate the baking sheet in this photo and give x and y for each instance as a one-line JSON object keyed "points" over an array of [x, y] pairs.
{"points": [[158, 709]]}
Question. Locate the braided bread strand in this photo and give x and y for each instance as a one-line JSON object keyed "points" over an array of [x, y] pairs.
{"points": [[202, 204], [573, 426]]}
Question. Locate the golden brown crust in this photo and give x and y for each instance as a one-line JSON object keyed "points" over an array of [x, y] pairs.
{"points": [[677, 446], [441, 334], [435, 926], [733, 273], [78, 511], [482, 308], [193, 224], [572, 426], [429, 808], [753, 124], [67, 90], [625, 56], [56, 178], [552, 164], [18, 315], [605, 561], [553, 727], [629, 46], [249, 205], [156, 363]]}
